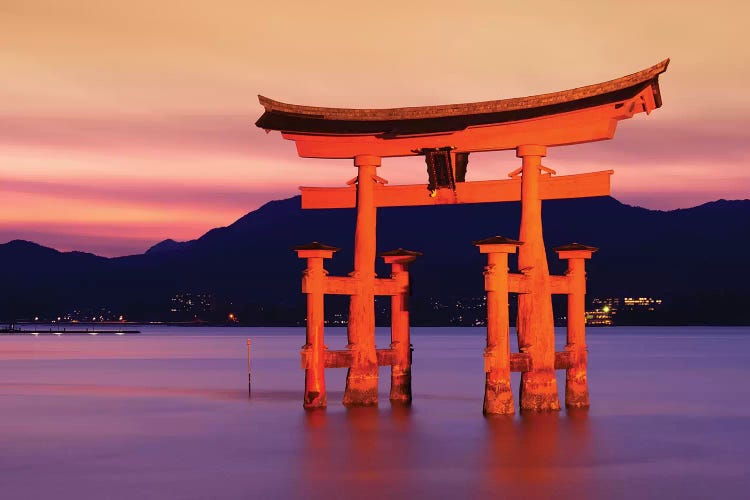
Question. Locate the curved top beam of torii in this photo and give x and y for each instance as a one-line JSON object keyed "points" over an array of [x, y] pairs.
{"points": [[571, 116]]}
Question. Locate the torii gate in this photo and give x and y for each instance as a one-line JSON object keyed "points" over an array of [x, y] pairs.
{"points": [[446, 135]]}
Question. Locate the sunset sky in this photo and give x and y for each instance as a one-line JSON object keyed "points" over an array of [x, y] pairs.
{"points": [[125, 123]]}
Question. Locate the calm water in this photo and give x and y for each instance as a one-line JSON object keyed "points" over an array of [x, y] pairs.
{"points": [[165, 414]]}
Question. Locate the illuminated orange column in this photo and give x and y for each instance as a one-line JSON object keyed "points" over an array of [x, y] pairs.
{"points": [[400, 338], [498, 395], [576, 381], [362, 377], [314, 350], [535, 325]]}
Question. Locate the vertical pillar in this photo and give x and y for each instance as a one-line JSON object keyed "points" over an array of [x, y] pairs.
{"points": [[498, 395], [400, 339], [362, 376], [576, 381], [535, 324], [249, 377], [313, 352]]}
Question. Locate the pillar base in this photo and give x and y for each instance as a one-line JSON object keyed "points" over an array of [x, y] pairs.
{"points": [[498, 398], [576, 388], [576, 381], [314, 400], [539, 391], [315, 393], [401, 387], [361, 387]]}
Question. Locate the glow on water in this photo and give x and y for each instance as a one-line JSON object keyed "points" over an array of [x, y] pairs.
{"points": [[166, 413]]}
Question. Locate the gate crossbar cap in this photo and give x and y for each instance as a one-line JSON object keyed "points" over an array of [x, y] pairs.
{"points": [[400, 256], [498, 244], [315, 249], [575, 250]]}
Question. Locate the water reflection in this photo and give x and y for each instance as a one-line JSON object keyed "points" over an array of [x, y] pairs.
{"points": [[112, 418], [363, 450], [384, 452], [534, 455]]}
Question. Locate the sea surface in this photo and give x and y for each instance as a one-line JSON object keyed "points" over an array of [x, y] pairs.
{"points": [[166, 414]]}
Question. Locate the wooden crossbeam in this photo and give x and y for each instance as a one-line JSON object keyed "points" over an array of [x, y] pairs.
{"points": [[518, 283], [550, 188], [520, 362], [343, 359], [339, 285], [560, 285], [347, 285], [563, 360]]}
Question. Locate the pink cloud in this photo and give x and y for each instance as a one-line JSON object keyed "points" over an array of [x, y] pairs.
{"points": [[206, 133], [176, 194]]}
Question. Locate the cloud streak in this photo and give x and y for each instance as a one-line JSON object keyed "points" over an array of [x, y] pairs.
{"points": [[135, 122]]}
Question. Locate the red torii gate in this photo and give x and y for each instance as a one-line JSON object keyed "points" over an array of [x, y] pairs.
{"points": [[446, 135]]}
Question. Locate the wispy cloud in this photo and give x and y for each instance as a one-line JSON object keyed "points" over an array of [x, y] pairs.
{"points": [[156, 195], [139, 116]]}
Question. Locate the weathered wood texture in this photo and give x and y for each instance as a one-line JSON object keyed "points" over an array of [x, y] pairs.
{"points": [[498, 395], [535, 324], [362, 377], [520, 362], [315, 386], [576, 378], [345, 358], [400, 335], [349, 285]]}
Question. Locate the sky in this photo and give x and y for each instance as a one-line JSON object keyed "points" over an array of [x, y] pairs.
{"points": [[125, 123]]}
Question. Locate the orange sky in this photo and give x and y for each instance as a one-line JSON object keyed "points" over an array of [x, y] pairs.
{"points": [[124, 123]]}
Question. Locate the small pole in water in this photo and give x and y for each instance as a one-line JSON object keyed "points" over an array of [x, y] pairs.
{"points": [[249, 383]]}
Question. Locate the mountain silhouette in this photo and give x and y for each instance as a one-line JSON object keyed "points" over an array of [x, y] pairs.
{"points": [[696, 259]]}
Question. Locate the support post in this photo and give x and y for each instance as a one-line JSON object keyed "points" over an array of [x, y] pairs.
{"points": [[498, 395], [576, 380], [313, 352], [249, 380], [400, 337], [362, 377], [535, 324]]}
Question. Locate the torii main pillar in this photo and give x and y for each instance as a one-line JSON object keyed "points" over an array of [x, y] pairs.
{"points": [[535, 323], [362, 377]]}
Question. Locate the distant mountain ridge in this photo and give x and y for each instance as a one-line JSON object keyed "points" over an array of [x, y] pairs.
{"points": [[696, 257]]}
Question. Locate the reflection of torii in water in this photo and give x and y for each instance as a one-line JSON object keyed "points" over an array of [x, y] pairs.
{"points": [[446, 135]]}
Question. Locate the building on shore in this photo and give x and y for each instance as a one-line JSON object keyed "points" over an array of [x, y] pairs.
{"points": [[605, 309]]}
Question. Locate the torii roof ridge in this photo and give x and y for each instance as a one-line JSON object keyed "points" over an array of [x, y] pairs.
{"points": [[314, 119]]}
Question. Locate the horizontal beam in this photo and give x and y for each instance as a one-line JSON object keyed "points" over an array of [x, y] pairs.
{"points": [[563, 360], [518, 283], [550, 188], [347, 285], [338, 285], [520, 362], [568, 359], [343, 359], [560, 285]]}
